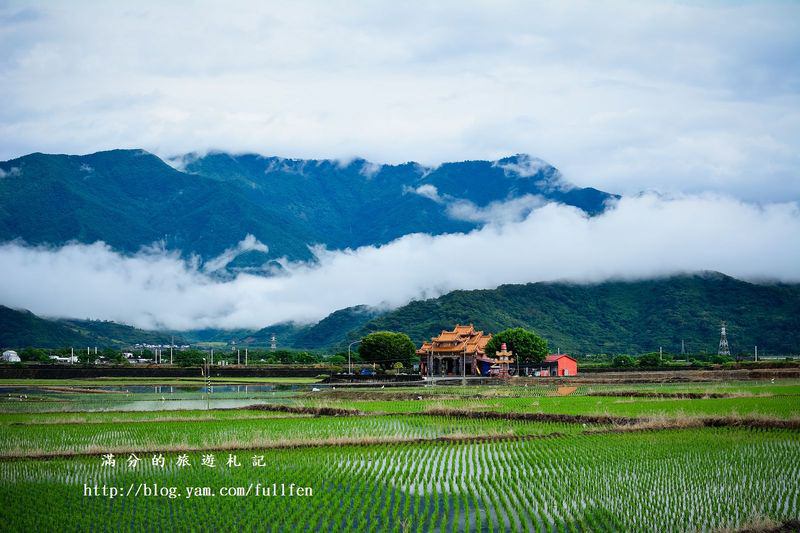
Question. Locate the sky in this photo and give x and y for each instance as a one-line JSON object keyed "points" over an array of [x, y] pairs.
{"points": [[690, 110], [625, 97]]}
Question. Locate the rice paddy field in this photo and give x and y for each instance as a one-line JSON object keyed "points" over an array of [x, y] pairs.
{"points": [[296, 456]]}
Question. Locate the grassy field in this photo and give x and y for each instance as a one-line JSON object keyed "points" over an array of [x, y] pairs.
{"points": [[667, 457]]}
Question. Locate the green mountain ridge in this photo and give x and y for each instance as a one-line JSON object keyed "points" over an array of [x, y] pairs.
{"points": [[330, 331], [132, 198], [616, 317], [612, 317], [21, 328]]}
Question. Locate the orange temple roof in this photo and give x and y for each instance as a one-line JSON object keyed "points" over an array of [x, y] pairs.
{"points": [[462, 339]]}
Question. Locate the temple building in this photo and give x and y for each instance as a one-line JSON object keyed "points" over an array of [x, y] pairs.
{"points": [[454, 353]]}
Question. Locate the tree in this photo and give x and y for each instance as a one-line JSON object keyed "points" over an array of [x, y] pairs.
{"points": [[189, 357], [337, 359], [86, 357], [34, 354], [623, 361], [305, 358], [387, 348], [527, 346], [652, 359], [114, 356]]}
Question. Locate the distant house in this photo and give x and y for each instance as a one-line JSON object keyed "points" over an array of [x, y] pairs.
{"points": [[10, 356], [561, 365], [553, 365], [70, 359]]}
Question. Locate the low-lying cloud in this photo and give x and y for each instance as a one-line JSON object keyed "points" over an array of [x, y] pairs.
{"points": [[638, 237], [248, 244], [497, 212]]}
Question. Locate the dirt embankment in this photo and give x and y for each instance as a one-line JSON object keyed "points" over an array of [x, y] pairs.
{"points": [[390, 395], [305, 410], [670, 376], [78, 390], [618, 422], [673, 395], [768, 526], [621, 423]]}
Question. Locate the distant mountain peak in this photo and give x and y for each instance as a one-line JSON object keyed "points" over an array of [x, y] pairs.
{"points": [[205, 203]]}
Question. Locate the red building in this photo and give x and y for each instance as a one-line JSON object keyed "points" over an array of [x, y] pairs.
{"points": [[561, 365]]}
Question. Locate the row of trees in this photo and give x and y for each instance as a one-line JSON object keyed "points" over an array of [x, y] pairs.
{"points": [[388, 348], [656, 359]]}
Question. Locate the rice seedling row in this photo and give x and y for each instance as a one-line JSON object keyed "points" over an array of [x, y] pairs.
{"points": [[43, 439]]}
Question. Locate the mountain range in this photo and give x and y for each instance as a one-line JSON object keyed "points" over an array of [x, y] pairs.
{"points": [[21, 328], [618, 317], [202, 205], [205, 204], [612, 317]]}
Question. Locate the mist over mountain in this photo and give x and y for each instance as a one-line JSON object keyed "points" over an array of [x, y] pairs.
{"points": [[612, 317], [131, 198], [237, 242]]}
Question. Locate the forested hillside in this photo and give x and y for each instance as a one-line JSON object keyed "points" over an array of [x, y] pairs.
{"points": [[20, 328], [131, 198], [620, 316]]}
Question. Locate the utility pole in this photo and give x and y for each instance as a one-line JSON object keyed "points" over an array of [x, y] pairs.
{"points": [[683, 348], [245, 357], [171, 344], [756, 353], [206, 371], [238, 357], [724, 349]]}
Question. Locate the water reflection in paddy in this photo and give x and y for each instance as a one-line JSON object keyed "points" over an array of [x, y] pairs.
{"points": [[143, 397]]}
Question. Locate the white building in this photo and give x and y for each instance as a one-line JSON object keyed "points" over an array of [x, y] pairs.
{"points": [[70, 359], [10, 356]]}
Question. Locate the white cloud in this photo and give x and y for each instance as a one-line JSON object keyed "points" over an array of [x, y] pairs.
{"points": [[369, 170], [639, 237], [662, 95], [497, 212], [248, 244], [427, 191], [527, 166], [12, 172]]}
